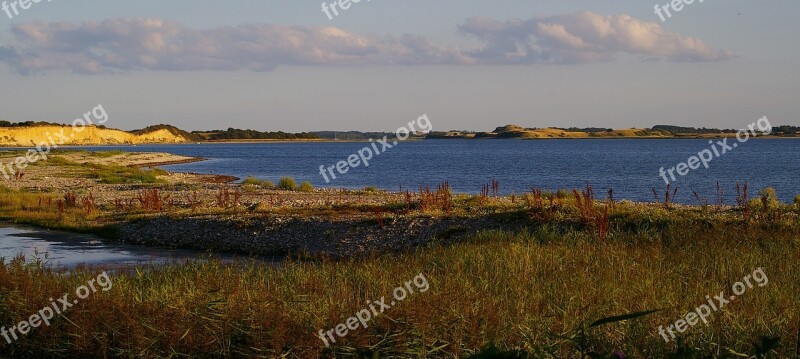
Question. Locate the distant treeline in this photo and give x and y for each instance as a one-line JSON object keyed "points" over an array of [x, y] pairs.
{"points": [[449, 134], [33, 123], [785, 129], [239, 134], [172, 129], [587, 129], [679, 129], [350, 135]]}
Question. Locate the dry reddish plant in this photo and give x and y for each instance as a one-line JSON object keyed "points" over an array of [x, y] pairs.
{"points": [[89, 204], [150, 200], [741, 199], [70, 200]]}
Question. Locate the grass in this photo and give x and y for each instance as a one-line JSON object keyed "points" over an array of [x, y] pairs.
{"points": [[306, 186], [107, 153], [514, 291], [258, 182], [287, 183], [54, 211], [107, 174], [113, 174], [58, 161]]}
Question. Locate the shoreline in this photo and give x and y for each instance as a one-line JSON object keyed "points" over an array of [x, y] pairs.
{"points": [[207, 177], [174, 162], [220, 142]]}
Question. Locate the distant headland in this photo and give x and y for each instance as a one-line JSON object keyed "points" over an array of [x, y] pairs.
{"points": [[659, 131]]}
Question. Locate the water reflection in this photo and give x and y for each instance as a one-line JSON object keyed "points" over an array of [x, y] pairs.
{"points": [[67, 250]]}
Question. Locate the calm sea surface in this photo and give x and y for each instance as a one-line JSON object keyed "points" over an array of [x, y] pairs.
{"points": [[628, 166]]}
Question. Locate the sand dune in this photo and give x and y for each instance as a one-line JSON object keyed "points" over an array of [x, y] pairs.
{"points": [[90, 135]]}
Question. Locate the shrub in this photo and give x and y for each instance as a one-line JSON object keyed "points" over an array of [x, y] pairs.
{"points": [[797, 201], [257, 182], [287, 183], [375, 189], [306, 186], [769, 200], [754, 204]]}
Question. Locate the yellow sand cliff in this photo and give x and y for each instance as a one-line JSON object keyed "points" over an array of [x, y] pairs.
{"points": [[90, 135]]}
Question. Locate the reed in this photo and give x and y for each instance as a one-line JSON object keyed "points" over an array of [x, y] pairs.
{"points": [[527, 291]]}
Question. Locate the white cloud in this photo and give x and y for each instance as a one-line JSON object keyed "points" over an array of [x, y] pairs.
{"points": [[582, 37], [126, 44]]}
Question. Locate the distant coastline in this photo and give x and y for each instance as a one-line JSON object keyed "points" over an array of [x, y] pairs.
{"points": [[29, 134]]}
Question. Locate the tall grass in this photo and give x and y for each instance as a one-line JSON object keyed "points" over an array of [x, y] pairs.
{"points": [[515, 291], [66, 211]]}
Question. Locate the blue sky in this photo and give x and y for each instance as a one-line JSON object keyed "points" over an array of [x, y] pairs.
{"points": [[476, 65]]}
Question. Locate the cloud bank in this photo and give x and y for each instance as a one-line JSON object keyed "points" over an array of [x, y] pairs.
{"points": [[583, 37], [128, 45]]}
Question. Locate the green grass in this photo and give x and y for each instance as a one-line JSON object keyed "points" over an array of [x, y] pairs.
{"points": [[258, 182], [108, 174], [287, 183], [113, 174], [57, 161], [158, 171], [106, 154]]}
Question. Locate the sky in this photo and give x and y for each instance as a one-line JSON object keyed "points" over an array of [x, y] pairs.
{"points": [[284, 65]]}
